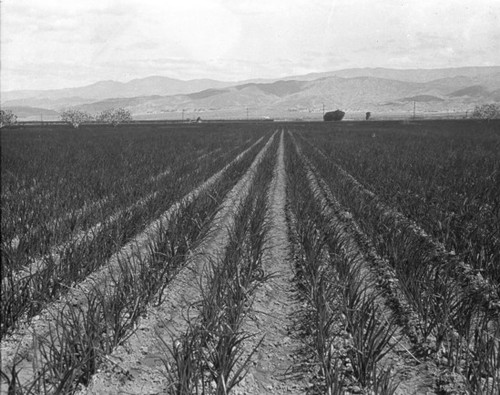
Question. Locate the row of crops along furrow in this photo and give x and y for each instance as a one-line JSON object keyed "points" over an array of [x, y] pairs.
{"points": [[32, 227], [24, 296], [212, 347], [449, 184], [458, 315], [352, 338], [383, 219], [103, 311], [174, 336], [269, 322]]}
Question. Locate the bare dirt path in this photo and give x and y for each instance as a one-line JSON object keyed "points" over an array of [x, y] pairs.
{"points": [[273, 367], [137, 367], [20, 342]]}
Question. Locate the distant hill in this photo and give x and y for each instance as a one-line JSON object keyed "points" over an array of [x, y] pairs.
{"points": [[408, 75], [165, 86], [278, 88], [422, 98], [474, 91], [394, 92], [155, 85]]}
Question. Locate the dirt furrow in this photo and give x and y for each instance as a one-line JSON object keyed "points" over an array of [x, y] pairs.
{"points": [[270, 318], [21, 340], [138, 366]]}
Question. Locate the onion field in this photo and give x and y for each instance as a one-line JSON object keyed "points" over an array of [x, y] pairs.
{"points": [[251, 258]]}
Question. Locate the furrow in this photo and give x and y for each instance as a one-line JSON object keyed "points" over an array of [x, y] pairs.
{"points": [[270, 317]]}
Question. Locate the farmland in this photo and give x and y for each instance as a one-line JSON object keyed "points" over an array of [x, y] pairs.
{"points": [[354, 257]]}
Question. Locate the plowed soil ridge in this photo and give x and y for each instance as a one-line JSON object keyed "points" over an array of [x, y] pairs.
{"points": [[142, 355], [270, 317], [20, 342]]}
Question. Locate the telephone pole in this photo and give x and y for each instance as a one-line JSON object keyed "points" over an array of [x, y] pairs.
{"points": [[414, 105]]}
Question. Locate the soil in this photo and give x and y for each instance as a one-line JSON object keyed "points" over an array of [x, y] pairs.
{"points": [[274, 367]]}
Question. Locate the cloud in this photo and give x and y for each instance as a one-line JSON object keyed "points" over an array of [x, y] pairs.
{"points": [[82, 41]]}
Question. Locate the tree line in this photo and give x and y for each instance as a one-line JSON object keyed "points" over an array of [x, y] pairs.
{"points": [[112, 116], [75, 117]]}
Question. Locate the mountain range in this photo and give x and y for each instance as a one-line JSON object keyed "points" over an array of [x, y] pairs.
{"points": [[352, 90]]}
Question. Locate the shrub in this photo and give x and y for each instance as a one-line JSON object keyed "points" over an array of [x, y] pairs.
{"points": [[7, 118], [114, 116], [76, 117], [336, 115], [486, 111]]}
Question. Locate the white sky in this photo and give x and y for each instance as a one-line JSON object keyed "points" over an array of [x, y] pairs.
{"points": [[63, 43]]}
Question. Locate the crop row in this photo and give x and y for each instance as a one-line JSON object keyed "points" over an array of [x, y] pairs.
{"points": [[458, 316], [209, 355], [346, 331]]}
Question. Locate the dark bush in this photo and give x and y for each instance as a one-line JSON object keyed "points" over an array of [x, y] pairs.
{"points": [[336, 115]]}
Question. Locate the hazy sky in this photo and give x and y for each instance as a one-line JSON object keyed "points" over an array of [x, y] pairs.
{"points": [[61, 43]]}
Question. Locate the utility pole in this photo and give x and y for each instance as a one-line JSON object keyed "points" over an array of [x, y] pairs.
{"points": [[414, 104], [323, 109], [182, 115]]}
